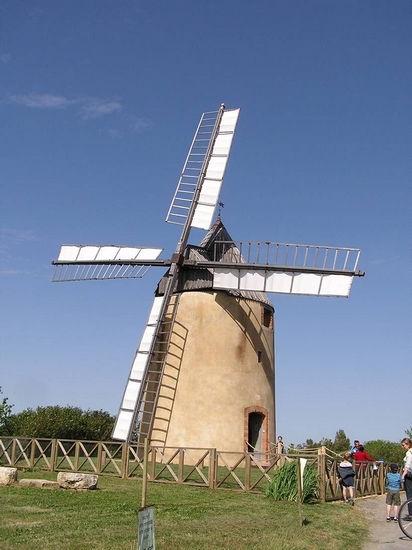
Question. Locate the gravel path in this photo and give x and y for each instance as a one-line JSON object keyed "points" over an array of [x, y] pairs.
{"points": [[382, 535]]}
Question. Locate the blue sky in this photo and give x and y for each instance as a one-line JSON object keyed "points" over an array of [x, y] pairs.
{"points": [[99, 102]]}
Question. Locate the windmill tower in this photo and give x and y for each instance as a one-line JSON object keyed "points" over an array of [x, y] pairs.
{"points": [[203, 374]]}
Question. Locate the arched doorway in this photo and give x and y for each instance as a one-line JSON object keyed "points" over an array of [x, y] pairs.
{"points": [[255, 435], [256, 431]]}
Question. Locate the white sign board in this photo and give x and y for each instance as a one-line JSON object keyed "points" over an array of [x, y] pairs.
{"points": [[303, 462], [146, 536]]}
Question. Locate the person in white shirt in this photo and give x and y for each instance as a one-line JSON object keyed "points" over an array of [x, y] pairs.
{"points": [[407, 473]]}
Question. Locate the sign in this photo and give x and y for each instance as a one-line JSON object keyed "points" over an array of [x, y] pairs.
{"points": [[146, 536], [303, 462]]}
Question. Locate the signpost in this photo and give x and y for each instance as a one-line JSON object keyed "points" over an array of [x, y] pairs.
{"points": [[145, 531], [301, 468]]}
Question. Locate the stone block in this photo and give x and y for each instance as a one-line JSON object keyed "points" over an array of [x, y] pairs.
{"points": [[8, 475], [42, 483], [85, 482]]}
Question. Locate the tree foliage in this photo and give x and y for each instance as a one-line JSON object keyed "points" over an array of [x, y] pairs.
{"points": [[5, 412], [386, 450], [340, 444], [378, 449], [61, 423]]}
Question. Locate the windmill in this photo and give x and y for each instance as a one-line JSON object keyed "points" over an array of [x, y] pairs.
{"points": [[203, 374]]}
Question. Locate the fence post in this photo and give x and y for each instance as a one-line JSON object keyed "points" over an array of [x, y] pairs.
{"points": [[13, 452], [248, 466], [153, 458], [32, 452], [125, 460], [212, 469], [76, 455], [180, 470], [101, 455], [322, 473], [381, 478], [53, 455]]}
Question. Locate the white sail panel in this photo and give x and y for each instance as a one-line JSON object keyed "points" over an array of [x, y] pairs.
{"points": [[147, 338], [222, 144], [122, 425], [203, 216], [146, 253], [252, 279], [215, 170], [210, 190], [229, 120], [336, 285], [68, 253], [131, 394], [139, 366], [155, 311], [226, 278], [279, 282], [86, 253], [306, 283], [107, 253]]}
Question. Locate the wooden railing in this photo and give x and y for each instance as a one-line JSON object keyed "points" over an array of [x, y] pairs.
{"points": [[199, 467]]}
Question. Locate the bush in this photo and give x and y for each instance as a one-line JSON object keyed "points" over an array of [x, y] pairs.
{"points": [[56, 422], [5, 413], [388, 451], [284, 485]]}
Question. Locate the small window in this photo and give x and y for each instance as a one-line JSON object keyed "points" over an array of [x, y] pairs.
{"points": [[267, 317]]}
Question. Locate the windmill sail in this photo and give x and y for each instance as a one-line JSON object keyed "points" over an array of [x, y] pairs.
{"points": [[126, 416], [204, 170], [288, 269], [95, 262]]}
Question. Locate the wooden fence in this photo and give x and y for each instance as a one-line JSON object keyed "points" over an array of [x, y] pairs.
{"points": [[199, 467]]}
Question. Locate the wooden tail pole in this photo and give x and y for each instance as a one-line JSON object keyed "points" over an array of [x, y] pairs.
{"points": [[145, 467]]}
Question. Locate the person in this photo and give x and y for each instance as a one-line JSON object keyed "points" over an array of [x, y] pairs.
{"points": [[355, 447], [393, 487], [347, 478], [362, 456], [280, 447], [407, 473]]}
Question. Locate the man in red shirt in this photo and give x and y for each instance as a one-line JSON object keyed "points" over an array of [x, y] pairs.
{"points": [[362, 456]]}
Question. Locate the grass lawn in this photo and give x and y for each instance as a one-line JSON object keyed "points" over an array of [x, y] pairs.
{"points": [[186, 518]]}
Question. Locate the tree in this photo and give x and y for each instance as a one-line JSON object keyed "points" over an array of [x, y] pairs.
{"points": [[5, 413], [409, 432], [341, 443]]}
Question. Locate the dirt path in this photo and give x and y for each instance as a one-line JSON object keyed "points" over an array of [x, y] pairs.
{"points": [[382, 535]]}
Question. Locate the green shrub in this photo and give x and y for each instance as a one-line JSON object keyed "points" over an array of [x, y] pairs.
{"points": [[388, 451], [61, 423], [284, 484]]}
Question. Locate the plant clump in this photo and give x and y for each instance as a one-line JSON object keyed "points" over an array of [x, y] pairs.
{"points": [[284, 484]]}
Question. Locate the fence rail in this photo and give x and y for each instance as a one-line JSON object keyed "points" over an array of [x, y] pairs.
{"points": [[199, 467]]}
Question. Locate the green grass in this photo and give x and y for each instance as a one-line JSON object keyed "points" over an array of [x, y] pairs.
{"points": [[186, 518]]}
